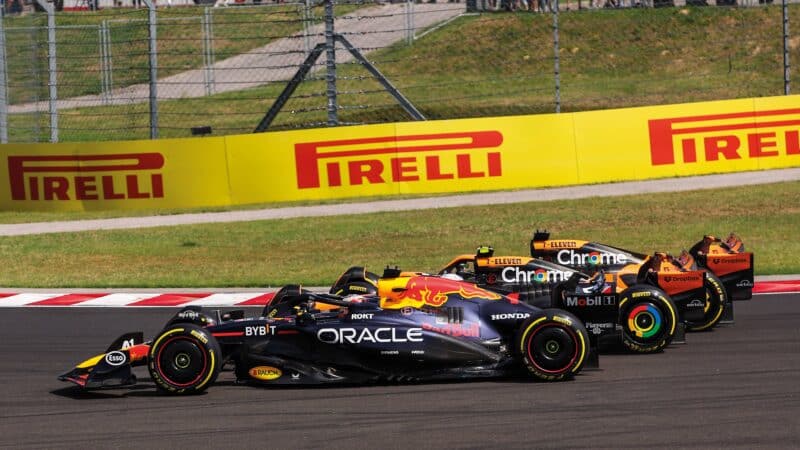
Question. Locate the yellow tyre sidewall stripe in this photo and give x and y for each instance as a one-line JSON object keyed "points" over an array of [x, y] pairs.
{"points": [[210, 353], [579, 362]]}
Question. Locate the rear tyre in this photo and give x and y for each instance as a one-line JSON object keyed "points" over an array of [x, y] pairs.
{"points": [[553, 346], [184, 359], [649, 319], [715, 305]]}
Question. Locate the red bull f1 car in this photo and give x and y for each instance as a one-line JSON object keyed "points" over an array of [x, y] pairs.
{"points": [[417, 328], [642, 315], [699, 294]]}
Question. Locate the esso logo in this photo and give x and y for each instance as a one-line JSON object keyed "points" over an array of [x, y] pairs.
{"points": [[116, 358]]}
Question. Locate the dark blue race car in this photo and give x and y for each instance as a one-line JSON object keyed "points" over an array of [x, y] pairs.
{"points": [[418, 327]]}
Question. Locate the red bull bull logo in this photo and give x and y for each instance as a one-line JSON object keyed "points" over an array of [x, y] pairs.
{"points": [[432, 291]]}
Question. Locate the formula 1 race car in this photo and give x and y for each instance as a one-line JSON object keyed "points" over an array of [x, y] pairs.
{"points": [[727, 260], [417, 328], [642, 315], [691, 290]]}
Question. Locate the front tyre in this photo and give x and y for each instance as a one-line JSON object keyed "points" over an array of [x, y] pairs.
{"points": [[648, 318], [715, 305], [184, 359], [553, 346]]}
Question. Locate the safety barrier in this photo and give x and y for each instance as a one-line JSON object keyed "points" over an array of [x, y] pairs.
{"points": [[406, 158]]}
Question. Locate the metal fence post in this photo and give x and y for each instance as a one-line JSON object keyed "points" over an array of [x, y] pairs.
{"points": [[106, 72], [33, 82], [330, 51], [307, 25], [153, 52], [51, 67], [101, 38], [3, 82], [208, 50], [556, 58], [786, 86], [409, 22]]}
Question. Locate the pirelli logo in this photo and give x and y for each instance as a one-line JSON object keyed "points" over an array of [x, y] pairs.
{"points": [[77, 177], [412, 158], [732, 136]]}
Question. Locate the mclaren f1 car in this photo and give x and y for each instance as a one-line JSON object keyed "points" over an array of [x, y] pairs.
{"points": [[726, 259], [641, 316], [416, 328], [698, 293]]}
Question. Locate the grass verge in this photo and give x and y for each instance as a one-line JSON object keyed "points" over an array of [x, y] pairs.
{"points": [[313, 251]]}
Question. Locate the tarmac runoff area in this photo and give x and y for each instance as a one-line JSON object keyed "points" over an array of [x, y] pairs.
{"points": [[258, 296], [734, 387]]}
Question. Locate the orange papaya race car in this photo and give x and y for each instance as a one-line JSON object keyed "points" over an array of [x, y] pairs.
{"points": [[727, 259], [642, 317], [629, 268]]}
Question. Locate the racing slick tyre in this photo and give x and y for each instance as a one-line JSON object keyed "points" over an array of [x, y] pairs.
{"points": [[715, 305], [648, 317], [553, 346], [184, 359]]}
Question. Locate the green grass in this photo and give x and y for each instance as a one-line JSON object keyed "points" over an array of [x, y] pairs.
{"points": [[313, 251], [488, 65]]}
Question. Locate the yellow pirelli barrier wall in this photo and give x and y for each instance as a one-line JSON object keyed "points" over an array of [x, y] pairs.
{"points": [[406, 158]]}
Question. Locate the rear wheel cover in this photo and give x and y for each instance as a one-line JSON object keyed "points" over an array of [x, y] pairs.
{"points": [[648, 320], [645, 321]]}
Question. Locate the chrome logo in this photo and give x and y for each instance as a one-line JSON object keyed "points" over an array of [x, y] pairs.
{"points": [[594, 258], [539, 276], [644, 321]]}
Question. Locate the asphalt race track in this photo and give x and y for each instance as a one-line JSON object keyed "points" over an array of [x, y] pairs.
{"points": [[734, 387]]}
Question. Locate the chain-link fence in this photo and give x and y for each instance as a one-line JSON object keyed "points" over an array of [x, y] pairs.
{"points": [[133, 72]]}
